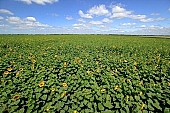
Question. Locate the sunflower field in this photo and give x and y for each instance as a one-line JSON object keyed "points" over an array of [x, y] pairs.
{"points": [[84, 74]]}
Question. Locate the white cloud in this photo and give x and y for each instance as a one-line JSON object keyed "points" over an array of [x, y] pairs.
{"points": [[106, 20], [84, 15], [81, 20], [69, 17], [1, 18], [137, 17], [142, 18], [54, 14], [80, 26], [128, 24], [41, 2], [26, 23], [153, 30], [169, 9], [3, 25], [119, 12], [96, 22], [143, 26], [30, 19], [5, 11], [147, 20], [160, 19], [13, 20], [155, 14], [98, 10]]}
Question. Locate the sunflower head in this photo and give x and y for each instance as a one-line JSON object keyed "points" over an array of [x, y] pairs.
{"points": [[63, 94], [9, 69], [103, 90], [64, 84], [41, 84], [141, 92], [20, 69], [65, 64], [52, 89], [6, 73], [33, 61], [15, 97], [75, 111], [142, 106], [116, 87]]}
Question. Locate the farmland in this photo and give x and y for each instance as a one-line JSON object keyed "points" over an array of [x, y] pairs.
{"points": [[84, 74]]}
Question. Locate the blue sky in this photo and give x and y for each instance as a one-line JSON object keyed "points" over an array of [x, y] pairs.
{"points": [[151, 17]]}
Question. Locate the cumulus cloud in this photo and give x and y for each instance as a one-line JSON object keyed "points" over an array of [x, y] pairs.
{"points": [[147, 20], [96, 22], [30, 19], [3, 26], [128, 24], [80, 26], [137, 17], [153, 30], [41, 2], [53, 14], [13, 20], [84, 15], [81, 20], [160, 19], [69, 17], [26, 23], [119, 12], [155, 14], [1, 18], [106, 20], [5, 11], [98, 10], [143, 26]]}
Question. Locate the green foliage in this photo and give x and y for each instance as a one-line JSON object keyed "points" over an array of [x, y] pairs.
{"points": [[84, 73]]}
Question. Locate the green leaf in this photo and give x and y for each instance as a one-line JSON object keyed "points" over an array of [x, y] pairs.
{"points": [[108, 104], [62, 111], [108, 97], [12, 110], [168, 101], [89, 105], [117, 105], [45, 91], [87, 110], [85, 102], [81, 104], [137, 98], [167, 110], [122, 111], [156, 104], [99, 99], [16, 102], [150, 107], [44, 97], [65, 98], [107, 111], [65, 108], [100, 107], [21, 110], [149, 95], [144, 111], [80, 98], [38, 95], [59, 105], [92, 99]]}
